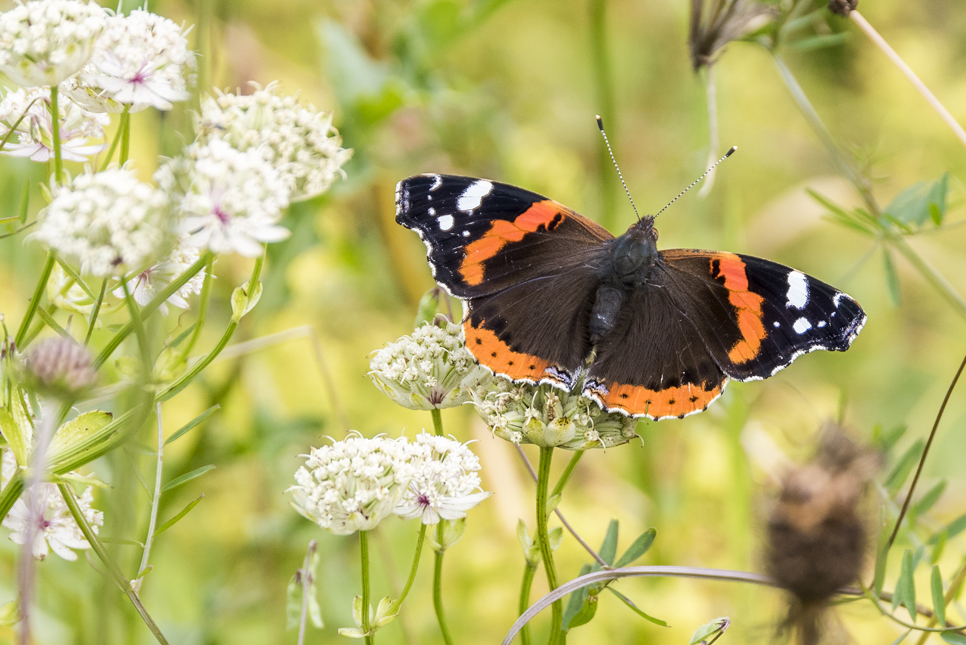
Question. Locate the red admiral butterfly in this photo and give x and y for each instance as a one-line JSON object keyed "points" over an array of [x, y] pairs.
{"points": [[545, 289]]}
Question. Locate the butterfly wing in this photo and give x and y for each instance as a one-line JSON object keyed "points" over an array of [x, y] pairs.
{"points": [[525, 267], [756, 316]]}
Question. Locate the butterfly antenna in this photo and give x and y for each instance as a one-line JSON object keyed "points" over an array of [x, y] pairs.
{"points": [[727, 154], [600, 124]]}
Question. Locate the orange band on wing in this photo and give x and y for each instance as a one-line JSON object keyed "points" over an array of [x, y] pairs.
{"points": [[638, 400], [746, 303], [544, 214], [492, 352]]}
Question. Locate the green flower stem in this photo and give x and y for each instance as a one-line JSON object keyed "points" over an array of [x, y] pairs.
{"points": [[438, 587], [35, 301], [543, 535], [568, 471], [141, 334], [364, 550], [931, 275], [125, 126], [202, 307], [528, 573], [412, 572], [55, 127], [10, 494], [437, 421], [149, 308], [116, 140], [196, 369], [155, 500], [9, 135], [95, 312], [123, 583]]}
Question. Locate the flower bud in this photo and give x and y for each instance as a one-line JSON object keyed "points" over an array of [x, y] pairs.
{"points": [[59, 367]]}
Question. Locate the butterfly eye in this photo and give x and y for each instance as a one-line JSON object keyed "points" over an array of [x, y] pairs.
{"points": [[656, 234]]}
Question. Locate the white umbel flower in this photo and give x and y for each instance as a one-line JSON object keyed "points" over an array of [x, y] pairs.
{"points": [[141, 60], [44, 42], [145, 285], [445, 483], [56, 529], [545, 416], [353, 484], [296, 138], [430, 369], [34, 136], [109, 222], [228, 200]]}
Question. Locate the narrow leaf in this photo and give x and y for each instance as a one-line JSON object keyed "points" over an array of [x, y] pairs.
{"points": [[638, 548], [576, 602], [180, 337], [890, 438], [174, 520], [930, 498], [637, 610], [938, 546], [906, 585], [902, 637], [904, 467], [125, 542], [177, 481], [191, 424], [953, 638], [608, 550], [718, 625], [892, 279], [24, 201], [586, 613], [820, 42], [938, 600], [69, 270]]}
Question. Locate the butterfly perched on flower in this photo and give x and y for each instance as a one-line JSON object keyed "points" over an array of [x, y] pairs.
{"points": [[551, 296]]}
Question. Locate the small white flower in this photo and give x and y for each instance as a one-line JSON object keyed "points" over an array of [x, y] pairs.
{"points": [[149, 282], [430, 369], [229, 201], [296, 139], [44, 42], [141, 60], [352, 484], [108, 221], [445, 483], [545, 416], [34, 134]]}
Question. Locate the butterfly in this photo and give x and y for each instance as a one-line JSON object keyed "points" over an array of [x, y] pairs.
{"points": [[551, 297]]}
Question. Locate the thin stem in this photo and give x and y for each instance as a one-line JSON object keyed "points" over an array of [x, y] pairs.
{"points": [[149, 308], [712, 96], [55, 129], [890, 53], [543, 535], [568, 471], [115, 141], [437, 421], [364, 551], [925, 453], [141, 334], [438, 587], [125, 125], [412, 572], [35, 301], [155, 501], [528, 573], [306, 585], [10, 494], [951, 592], [202, 307], [95, 312], [123, 583]]}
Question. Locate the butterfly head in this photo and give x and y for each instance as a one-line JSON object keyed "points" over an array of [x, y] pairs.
{"points": [[634, 253]]}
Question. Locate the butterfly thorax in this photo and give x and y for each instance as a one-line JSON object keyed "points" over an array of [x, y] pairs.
{"points": [[628, 266]]}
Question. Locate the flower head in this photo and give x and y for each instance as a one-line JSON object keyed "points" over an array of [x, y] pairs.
{"points": [[141, 60], [352, 484], [44, 42], [548, 417], [34, 132], [295, 138], [430, 369], [60, 366], [445, 483], [229, 200], [725, 21], [55, 528], [108, 221], [145, 285]]}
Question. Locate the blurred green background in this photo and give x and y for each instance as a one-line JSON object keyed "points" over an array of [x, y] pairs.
{"points": [[508, 90]]}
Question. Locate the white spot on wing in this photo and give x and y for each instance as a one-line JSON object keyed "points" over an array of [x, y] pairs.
{"points": [[445, 222], [797, 290], [431, 211], [437, 182], [473, 196], [821, 324], [836, 298], [466, 233], [777, 324], [801, 326]]}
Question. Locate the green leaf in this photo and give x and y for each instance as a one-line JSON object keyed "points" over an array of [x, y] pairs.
{"points": [[77, 430], [920, 202], [953, 638], [938, 546], [180, 337], [69, 270], [820, 42], [586, 613], [938, 600], [902, 637], [881, 561], [904, 467], [638, 548], [125, 542], [293, 597], [9, 613], [889, 439], [608, 550], [718, 625], [906, 586], [930, 498], [191, 424], [178, 481], [892, 278], [637, 610], [244, 299], [24, 201], [552, 504], [576, 602], [428, 304], [174, 520]]}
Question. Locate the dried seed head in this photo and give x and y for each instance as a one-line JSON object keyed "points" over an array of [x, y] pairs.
{"points": [[721, 21], [842, 7], [59, 367]]}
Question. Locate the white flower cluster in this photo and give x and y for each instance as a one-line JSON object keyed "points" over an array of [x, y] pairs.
{"points": [[145, 285], [44, 42], [354, 484], [34, 136], [430, 369], [227, 200], [141, 60], [547, 417], [296, 139], [108, 221], [57, 530]]}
